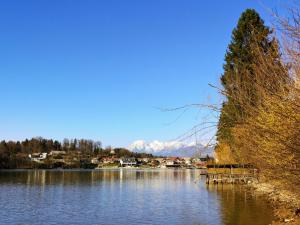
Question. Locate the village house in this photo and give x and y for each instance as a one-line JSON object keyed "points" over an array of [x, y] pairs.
{"points": [[112, 152], [108, 160], [187, 161], [199, 162], [37, 157], [95, 161], [56, 153], [173, 162], [144, 160], [128, 162]]}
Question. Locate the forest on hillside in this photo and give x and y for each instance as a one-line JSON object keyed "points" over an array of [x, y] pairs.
{"points": [[15, 154]]}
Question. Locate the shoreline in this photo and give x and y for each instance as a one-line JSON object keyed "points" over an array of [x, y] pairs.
{"points": [[96, 169], [286, 205]]}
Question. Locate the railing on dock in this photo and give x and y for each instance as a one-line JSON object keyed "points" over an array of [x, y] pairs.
{"points": [[230, 173]]}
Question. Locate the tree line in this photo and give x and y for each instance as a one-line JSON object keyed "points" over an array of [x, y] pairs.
{"points": [[40, 144], [14, 154]]}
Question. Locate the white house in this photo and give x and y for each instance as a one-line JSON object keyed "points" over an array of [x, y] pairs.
{"points": [[55, 153], [112, 151], [187, 161], [173, 162], [128, 162], [37, 156], [95, 161]]}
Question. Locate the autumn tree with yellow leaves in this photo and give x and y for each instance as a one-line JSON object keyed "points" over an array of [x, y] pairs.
{"points": [[260, 119]]}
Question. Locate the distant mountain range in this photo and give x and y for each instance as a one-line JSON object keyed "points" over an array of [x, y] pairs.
{"points": [[173, 148]]}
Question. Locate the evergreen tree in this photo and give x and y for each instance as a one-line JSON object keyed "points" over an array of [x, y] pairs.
{"points": [[239, 76]]}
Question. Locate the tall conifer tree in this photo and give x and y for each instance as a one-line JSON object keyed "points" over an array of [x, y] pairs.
{"points": [[238, 70]]}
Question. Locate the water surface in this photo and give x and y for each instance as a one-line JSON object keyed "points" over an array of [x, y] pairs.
{"points": [[124, 196]]}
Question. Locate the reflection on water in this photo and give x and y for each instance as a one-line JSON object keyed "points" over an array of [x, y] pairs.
{"points": [[244, 208], [124, 196]]}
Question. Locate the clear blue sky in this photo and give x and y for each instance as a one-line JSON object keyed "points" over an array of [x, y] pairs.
{"points": [[97, 69]]}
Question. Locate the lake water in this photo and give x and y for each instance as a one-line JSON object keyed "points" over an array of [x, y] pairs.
{"points": [[124, 196]]}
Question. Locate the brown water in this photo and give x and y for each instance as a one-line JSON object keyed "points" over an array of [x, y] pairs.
{"points": [[124, 196]]}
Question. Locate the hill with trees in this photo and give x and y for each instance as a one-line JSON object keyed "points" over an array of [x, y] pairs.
{"points": [[15, 154]]}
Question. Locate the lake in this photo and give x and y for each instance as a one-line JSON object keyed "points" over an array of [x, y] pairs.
{"points": [[125, 196]]}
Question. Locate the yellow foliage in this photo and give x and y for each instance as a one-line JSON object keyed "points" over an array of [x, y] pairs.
{"points": [[269, 137], [223, 154]]}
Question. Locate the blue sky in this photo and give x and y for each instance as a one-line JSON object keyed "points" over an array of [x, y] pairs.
{"points": [[99, 69]]}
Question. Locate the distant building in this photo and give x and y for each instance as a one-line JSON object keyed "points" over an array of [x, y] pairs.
{"points": [[145, 160], [173, 162], [128, 162], [37, 157], [112, 151], [200, 162], [55, 153], [95, 161], [187, 161], [108, 160]]}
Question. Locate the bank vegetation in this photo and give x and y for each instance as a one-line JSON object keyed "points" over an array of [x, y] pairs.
{"points": [[260, 117]]}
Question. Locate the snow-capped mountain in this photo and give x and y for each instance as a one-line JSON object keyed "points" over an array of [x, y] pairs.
{"points": [[172, 148]]}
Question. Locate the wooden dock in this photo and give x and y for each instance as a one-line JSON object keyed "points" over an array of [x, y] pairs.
{"points": [[230, 174]]}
